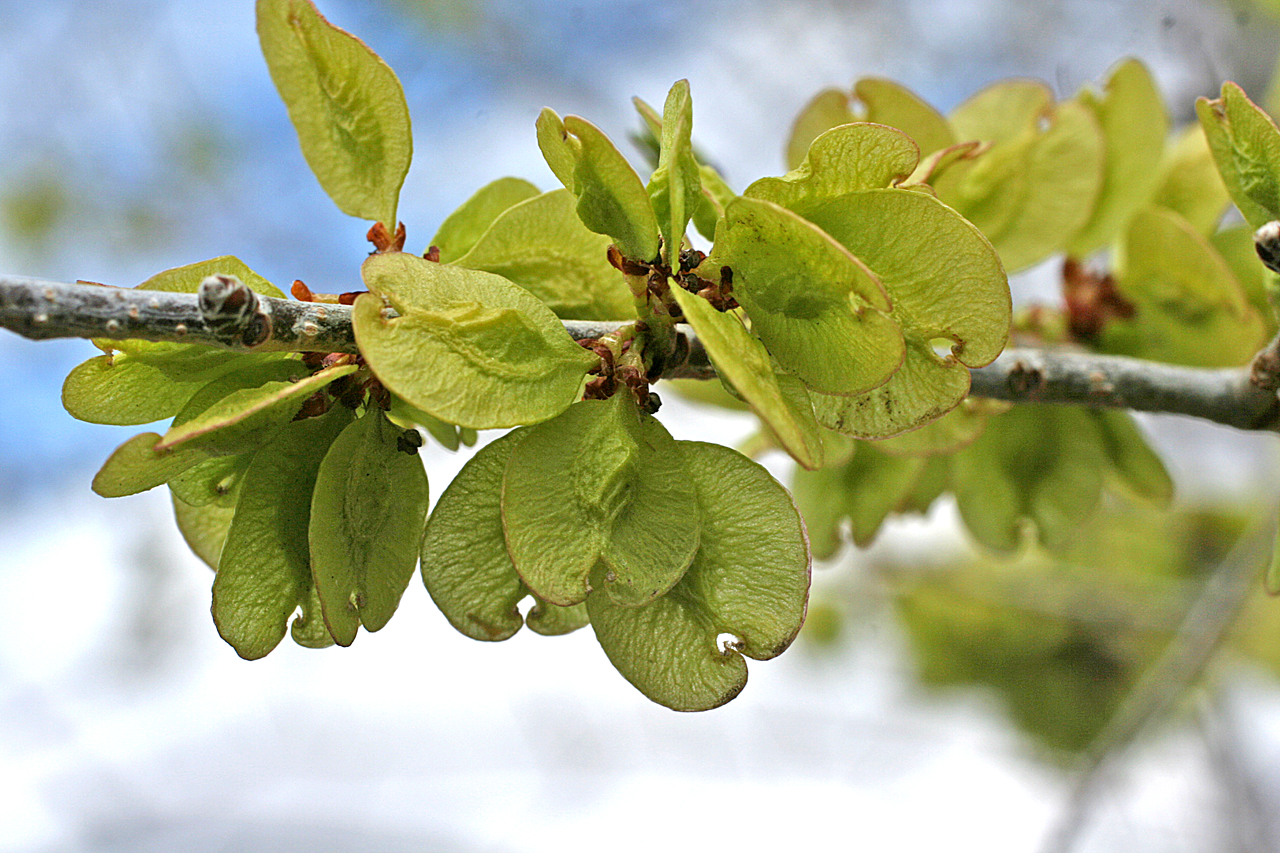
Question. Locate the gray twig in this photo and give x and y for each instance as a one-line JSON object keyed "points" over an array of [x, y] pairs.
{"points": [[44, 309]]}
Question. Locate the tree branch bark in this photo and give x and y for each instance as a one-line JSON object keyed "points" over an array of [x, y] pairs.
{"points": [[43, 309]]}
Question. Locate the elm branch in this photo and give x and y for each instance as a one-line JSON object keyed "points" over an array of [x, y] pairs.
{"points": [[42, 309]]}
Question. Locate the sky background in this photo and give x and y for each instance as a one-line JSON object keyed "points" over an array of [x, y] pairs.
{"points": [[137, 136]]}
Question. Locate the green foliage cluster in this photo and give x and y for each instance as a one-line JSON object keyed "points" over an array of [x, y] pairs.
{"points": [[1179, 289], [843, 303], [1062, 639]]}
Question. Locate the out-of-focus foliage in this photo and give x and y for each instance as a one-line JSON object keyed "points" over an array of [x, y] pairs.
{"points": [[1062, 639]]}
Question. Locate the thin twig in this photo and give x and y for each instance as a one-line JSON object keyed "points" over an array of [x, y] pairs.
{"points": [[1203, 630], [42, 309]]}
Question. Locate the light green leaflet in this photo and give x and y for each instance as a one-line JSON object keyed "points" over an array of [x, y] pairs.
{"points": [[1134, 125], [827, 109], [1135, 465], [146, 381], [1036, 187], [248, 416], [187, 278], [818, 309], [204, 528], [1189, 307], [124, 391], [463, 228], [214, 480], [749, 579], [710, 193], [465, 564], [346, 105], [951, 432], [777, 399], [611, 198], [542, 245], [1039, 463], [264, 572], [889, 103], [675, 187], [960, 296], [1246, 146], [865, 490], [469, 347], [602, 483], [881, 102], [367, 515], [1190, 185], [715, 197], [843, 160], [135, 466]]}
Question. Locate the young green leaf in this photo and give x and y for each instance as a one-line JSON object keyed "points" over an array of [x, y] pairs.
{"points": [[1246, 146], [1037, 185], [923, 390], [1236, 246], [827, 109], [744, 363], [121, 390], [367, 516], [465, 564], [611, 198], [187, 278], [714, 198], [819, 496], [552, 620], [542, 245], [204, 528], [960, 295], [469, 347], [953, 431], [136, 466], [463, 228], [1189, 183], [1189, 309], [1132, 460], [843, 160], [346, 105], [602, 483], [264, 572], [675, 187], [248, 416], [877, 484], [1041, 463], [1134, 125], [749, 579], [214, 480], [146, 381], [890, 104], [820, 312]]}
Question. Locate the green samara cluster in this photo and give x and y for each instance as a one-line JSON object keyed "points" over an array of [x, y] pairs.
{"points": [[843, 302], [1096, 179]]}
